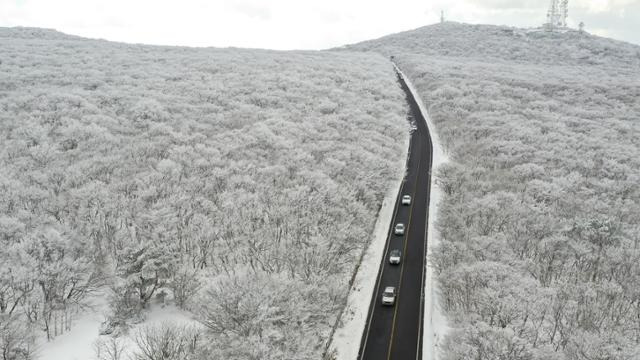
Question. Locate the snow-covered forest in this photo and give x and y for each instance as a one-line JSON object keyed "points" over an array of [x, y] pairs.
{"points": [[540, 221], [240, 185]]}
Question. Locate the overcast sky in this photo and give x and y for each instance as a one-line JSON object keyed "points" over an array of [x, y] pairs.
{"points": [[297, 24]]}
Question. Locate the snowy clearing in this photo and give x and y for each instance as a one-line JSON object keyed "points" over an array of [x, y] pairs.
{"points": [[78, 343]]}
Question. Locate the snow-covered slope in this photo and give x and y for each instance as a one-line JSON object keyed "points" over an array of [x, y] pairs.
{"points": [[506, 44], [258, 172], [36, 33], [538, 255]]}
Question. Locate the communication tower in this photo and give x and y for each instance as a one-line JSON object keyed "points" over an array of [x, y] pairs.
{"points": [[557, 14]]}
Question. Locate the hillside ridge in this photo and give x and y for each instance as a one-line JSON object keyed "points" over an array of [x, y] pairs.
{"points": [[504, 43]]}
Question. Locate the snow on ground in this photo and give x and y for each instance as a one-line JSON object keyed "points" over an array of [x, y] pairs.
{"points": [[435, 325], [78, 343], [346, 339]]}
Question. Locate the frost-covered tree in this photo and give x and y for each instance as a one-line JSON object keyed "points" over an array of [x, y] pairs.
{"points": [[167, 341], [61, 276], [111, 348], [144, 269], [17, 341], [184, 284]]}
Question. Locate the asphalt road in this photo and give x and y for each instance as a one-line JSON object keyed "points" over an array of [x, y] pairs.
{"points": [[395, 332]]}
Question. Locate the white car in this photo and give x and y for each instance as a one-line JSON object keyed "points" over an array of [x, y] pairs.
{"points": [[399, 229], [389, 296], [406, 200], [395, 256]]}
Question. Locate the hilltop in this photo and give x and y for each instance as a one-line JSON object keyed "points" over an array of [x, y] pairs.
{"points": [[506, 44], [33, 33]]}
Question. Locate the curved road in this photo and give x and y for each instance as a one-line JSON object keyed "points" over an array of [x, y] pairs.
{"points": [[395, 332]]}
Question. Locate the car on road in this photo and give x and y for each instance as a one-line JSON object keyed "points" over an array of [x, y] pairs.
{"points": [[389, 296], [399, 229], [406, 200], [395, 257]]}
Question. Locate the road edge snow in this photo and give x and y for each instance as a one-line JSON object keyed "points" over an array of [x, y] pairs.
{"points": [[435, 324], [345, 342]]}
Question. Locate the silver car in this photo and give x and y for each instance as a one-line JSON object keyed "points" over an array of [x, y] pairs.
{"points": [[389, 296], [395, 256], [406, 200], [399, 229]]}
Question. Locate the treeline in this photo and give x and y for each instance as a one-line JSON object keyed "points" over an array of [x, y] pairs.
{"points": [[239, 184]]}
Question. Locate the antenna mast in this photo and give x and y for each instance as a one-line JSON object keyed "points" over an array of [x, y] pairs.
{"points": [[564, 11], [557, 14]]}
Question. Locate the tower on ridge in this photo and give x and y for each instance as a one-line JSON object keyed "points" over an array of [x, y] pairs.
{"points": [[557, 14]]}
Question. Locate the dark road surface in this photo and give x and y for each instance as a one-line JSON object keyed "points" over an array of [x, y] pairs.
{"points": [[395, 332]]}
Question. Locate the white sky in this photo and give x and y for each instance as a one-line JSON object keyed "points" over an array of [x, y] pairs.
{"points": [[297, 24]]}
